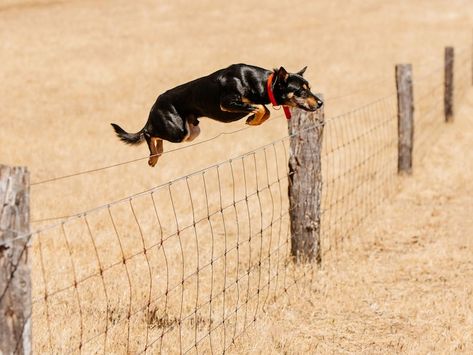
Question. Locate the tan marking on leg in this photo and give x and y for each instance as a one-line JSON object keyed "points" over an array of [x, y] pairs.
{"points": [[156, 146], [194, 132], [188, 132], [260, 115], [243, 99], [159, 147]]}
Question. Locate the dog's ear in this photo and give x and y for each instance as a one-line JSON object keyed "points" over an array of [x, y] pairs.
{"points": [[282, 75], [302, 71]]}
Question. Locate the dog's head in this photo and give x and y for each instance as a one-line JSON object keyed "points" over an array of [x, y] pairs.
{"points": [[293, 90]]}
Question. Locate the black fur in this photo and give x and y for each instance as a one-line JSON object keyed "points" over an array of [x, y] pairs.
{"points": [[128, 138], [227, 95]]}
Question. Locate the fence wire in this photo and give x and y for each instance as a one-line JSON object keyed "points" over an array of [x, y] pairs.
{"points": [[358, 169], [189, 265], [185, 267], [429, 101]]}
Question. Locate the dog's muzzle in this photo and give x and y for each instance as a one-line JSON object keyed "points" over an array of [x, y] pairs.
{"points": [[314, 103]]}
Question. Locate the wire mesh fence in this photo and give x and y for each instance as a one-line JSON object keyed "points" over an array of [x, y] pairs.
{"points": [[359, 166], [189, 265], [429, 100]]}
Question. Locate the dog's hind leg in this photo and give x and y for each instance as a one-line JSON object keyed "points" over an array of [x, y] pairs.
{"points": [[155, 150], [260, 115]]}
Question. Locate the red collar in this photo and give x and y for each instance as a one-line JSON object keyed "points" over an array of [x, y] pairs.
{"points": [[269, 85]]}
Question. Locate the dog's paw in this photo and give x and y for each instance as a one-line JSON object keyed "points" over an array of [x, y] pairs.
{"points": [[152, 161], [250, 120]]}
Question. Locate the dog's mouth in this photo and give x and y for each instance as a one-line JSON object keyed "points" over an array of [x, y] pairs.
{"points": [[310, 109]]}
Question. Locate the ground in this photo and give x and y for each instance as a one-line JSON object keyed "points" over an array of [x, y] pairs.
{"points": [[400, 283], [403, 285]]}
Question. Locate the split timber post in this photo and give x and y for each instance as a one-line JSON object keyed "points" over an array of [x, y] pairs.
{"points": [[305, 183], [15, 282], [448, 92], [405, 118]]}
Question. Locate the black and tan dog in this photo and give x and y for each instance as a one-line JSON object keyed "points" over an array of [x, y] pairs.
{"points": [[227, 95]]}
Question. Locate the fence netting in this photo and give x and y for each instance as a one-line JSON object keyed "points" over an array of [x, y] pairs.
{"points": [[189, 265], [186, 266], [429, 100]]}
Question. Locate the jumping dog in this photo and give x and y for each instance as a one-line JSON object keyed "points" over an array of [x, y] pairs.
{"points": [[227, 95]]}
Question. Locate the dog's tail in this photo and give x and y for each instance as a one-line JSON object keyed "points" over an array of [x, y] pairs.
{"points": [[128, 138]]}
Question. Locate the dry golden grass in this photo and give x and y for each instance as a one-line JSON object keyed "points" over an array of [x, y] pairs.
{"points": [[400, 283], [403, 281]]}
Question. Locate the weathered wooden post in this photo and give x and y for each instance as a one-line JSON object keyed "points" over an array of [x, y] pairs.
{"points": [[305, 183], [405, 118], [15, 283], [448, 92]]}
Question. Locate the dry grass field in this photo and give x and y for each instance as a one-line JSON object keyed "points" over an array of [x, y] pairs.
{"points": [[403, 282], [201, 264]]}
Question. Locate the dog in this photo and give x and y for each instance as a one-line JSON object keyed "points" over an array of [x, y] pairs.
{"points": [[227, 95]]}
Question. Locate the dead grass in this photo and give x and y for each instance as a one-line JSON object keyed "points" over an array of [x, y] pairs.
{"points": [[402, 283], [399, 284]]}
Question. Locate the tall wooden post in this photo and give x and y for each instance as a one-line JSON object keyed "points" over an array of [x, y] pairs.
{"points": [[15, 282], [405, 117], [305, 183], [448, 92]]}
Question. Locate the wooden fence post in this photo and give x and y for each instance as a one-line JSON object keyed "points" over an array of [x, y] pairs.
{"points": [[15, 282], [448, 92], [305, 183], [405, 117]]}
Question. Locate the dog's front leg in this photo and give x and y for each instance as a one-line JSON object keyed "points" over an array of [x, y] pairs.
{"points": [[240, 104], [235, 103], [260, 115]]}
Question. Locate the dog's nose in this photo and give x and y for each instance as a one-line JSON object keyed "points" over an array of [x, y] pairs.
{"points": [[319, 103]]}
